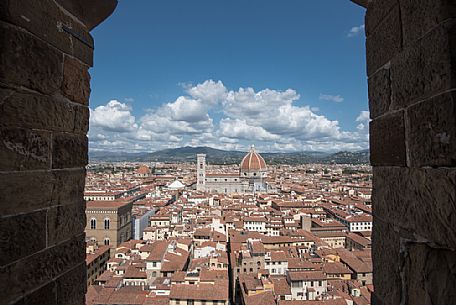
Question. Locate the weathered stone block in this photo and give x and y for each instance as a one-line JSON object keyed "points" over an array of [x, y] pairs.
{"points": [[22, 149], [82, 50], [68, 292], [432, 131], [37, 112], [40, 268], [379, 92], [69, 150], [18, 62], [46, 295], [430, 275], [69, 186], [425, 68], [386, 262], [65, 222], [46, 19], [385, 42], [76, 81], [5, 93], [421, 16], [91, 15], [25, 192], [81, 121], [422, 201], [376, 12], [387, 140], [22, 235]]}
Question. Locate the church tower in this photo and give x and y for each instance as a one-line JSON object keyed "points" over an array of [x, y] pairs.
{"points": [[201, 172]]}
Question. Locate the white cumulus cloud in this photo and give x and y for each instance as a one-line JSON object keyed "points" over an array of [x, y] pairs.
{"points": [[115, 116], [210, 114], [331, 98], [355, 31]]}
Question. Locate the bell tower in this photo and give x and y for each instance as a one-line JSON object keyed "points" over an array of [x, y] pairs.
{"points": [[201, 172]]}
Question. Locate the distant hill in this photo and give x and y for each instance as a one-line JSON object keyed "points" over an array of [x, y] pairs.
{"points": [[218, 156]]}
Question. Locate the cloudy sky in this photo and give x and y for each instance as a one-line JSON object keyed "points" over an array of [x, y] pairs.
{"points": [[283, 75]]}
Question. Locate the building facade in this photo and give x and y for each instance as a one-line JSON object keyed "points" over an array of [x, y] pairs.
{"points": [[108, 222], [96, 260], [250, 178]]}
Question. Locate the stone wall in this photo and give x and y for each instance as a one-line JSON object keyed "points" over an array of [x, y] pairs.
{"points": [[46, 51], [411, 69]]}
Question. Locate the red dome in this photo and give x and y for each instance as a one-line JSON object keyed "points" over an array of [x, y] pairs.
{"points": [[143, 170], [253, 161]]}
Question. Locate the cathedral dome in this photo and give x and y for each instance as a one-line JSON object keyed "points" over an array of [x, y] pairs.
{"points": [[253, 161]]}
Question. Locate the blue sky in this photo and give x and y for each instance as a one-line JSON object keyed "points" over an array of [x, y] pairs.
{"points": [[284, 75]]}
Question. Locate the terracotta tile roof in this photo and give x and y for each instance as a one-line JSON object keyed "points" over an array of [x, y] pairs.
{"points": [[278, 256], [265, 298], [158, 249], [359, 239], [131, 295], [174, 261], [297, 263], [257, 247], [133, 272], [281, 285], [336, 268], [306, 275], [213, 275], [338, 301], [107, 204], [202, 291], [222, 175], [90, 257]]}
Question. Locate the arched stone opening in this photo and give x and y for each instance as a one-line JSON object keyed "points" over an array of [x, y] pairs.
{"points": [[44, 87]]}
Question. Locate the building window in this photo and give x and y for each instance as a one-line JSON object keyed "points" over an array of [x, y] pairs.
{"points": [[93, 224], [106, 223], [189, 302], [106, 241]]}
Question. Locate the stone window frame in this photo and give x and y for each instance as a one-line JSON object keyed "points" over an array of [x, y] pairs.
{"points": [[93, 223], [107, 223]]}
